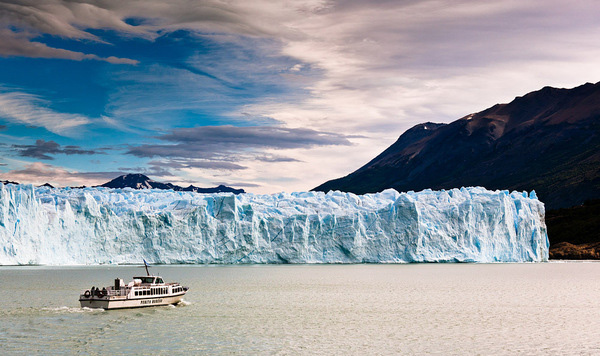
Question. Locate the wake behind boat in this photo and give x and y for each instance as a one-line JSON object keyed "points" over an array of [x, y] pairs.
{"points": [[147, 291]]}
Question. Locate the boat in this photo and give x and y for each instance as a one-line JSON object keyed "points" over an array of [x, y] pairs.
{"points": [[146, 291]]}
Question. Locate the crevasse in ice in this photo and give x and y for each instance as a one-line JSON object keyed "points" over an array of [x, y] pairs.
{"points": [[62, 226]]}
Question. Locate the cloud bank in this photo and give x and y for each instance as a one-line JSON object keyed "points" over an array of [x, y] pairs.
{"points": [[43, 149], [220, 148]]}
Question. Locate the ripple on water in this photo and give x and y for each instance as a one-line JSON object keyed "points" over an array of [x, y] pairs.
{"points": [[65, 309]]}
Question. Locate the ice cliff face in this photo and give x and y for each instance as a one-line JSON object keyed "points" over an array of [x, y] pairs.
{"points": [[54, 226]]}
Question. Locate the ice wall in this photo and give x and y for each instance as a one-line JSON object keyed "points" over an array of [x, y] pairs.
{"points": [[52, 226]]}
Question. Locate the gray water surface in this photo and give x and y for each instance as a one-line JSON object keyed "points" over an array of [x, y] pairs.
{"points": [[549, 308]]}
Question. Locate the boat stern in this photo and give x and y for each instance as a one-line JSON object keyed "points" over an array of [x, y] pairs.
{"points": [[93, 302]]}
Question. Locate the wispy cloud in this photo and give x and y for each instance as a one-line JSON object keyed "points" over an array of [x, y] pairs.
{"points": [[179, 164], [18, 44], [28, 109]]}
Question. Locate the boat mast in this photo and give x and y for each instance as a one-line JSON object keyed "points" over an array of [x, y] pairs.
{"points": [[146, 265]]}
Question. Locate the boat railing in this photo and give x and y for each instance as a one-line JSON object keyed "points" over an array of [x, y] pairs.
{"points": [[122, 292]]}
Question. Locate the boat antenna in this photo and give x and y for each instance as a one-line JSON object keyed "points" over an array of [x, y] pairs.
{"points": [[146, 265]]}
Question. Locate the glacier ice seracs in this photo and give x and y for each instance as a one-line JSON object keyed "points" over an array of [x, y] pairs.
{"points": [[63, 226]]}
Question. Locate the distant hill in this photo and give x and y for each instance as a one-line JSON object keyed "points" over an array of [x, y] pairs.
{"points": [[140, 181], [9, 182], [547, 141]]}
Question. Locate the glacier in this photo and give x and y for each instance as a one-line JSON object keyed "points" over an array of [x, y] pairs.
{"points": [[64, 226]]}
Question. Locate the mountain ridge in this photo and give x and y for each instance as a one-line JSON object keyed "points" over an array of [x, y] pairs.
{"points": [[141, 181], [547, 140]]}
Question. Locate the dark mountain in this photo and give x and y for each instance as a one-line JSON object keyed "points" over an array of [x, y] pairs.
{"points": [[140, 181], [547, 141], [136, 181]]}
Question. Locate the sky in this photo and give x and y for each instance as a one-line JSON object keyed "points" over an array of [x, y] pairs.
{"points": [[268, 96]]}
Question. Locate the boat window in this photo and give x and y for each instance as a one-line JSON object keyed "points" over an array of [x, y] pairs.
{"points": [[159, 280], [148, 279]]}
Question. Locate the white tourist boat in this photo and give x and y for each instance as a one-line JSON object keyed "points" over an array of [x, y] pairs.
{"points": [[147, 291]]}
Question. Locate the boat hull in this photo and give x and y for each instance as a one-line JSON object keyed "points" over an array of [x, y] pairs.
{"points": [[111, 302]]}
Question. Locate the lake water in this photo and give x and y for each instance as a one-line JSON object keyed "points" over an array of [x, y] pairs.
{"points": [[549, 308]]}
